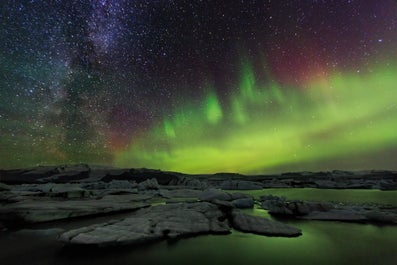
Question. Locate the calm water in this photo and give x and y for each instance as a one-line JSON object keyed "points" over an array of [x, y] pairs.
{"points": [[322, 243]]}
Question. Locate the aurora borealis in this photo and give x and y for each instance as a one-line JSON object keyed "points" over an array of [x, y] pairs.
{"points": [[199, 86]]}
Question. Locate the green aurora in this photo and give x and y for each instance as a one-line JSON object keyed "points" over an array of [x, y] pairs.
{"points": [[333, 121]]}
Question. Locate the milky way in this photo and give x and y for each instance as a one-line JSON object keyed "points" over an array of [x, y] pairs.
{"points": [[199, 86]]}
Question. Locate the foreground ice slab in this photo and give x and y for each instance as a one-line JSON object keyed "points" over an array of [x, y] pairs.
{"points": [[173, 221], [156, 223]]}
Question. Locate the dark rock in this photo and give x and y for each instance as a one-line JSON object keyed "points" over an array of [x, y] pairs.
{"points": [[149, 184], [28, 175], [262, 226], [280, 209], [302, 208], [140, 175], [68, 174], [381, 217], [100, 185], [180, 193], [243, 203], [341, 173], [359, 184], [55, 190], [66, 177], [275, 183], [9, 197], [277, 205], [240, 185], [388, 185], [112, 185], [237, 195], [4, 187], [336, 215], [224, 205], [326, 184], [122, 185], [214, 194], [190, 182], [107, 174], [320, 206], [42, 174]]}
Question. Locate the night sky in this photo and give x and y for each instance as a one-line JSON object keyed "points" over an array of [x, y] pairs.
{"points": [[199, 86]]}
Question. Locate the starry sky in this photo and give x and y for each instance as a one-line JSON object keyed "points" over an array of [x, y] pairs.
{"points": [[199, 86]]}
